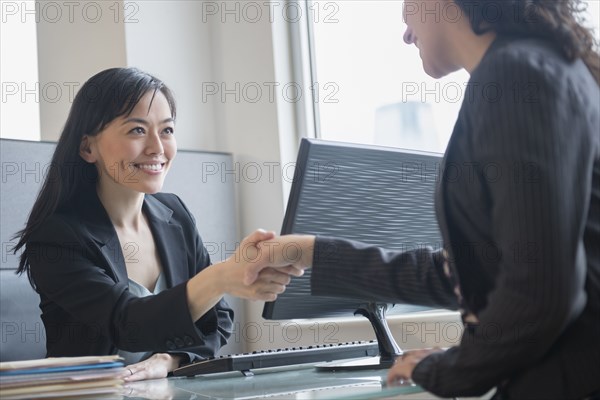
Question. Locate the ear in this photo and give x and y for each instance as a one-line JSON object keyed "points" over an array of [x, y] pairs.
{"points": [[85, 149]]}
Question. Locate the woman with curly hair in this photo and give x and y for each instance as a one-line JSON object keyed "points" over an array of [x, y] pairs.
{"points": [[519, 211]]}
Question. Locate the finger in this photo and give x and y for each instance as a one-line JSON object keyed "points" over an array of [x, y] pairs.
{"points": [[267, 297], [271, 288], [268, 275], [252, 272], [252, 254], [125, 374], [291, 270], [415, 353], [397, 374], [261, 296], [266, 292], [137, 376], [258, 235], [131, 369]]}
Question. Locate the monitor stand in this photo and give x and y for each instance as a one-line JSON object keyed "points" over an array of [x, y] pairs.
{"points": [[388, 349]]}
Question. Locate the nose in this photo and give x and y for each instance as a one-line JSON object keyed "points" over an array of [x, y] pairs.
{"points": [[154, 144], [409, 36]]}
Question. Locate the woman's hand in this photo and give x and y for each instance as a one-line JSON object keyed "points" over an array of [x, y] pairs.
{"points": [[406, 363], [155, 367], [251, 259], [268, 283], [291, 254]]}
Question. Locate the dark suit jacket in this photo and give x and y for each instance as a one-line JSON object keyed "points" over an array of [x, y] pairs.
{"points": [[519, 210], [79, 270]]}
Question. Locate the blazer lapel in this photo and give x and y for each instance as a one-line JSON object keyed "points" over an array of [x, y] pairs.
{"points": [[101, 230], [169, 240], [168, 236], [440, 209], [440, 203], [114, 255]]}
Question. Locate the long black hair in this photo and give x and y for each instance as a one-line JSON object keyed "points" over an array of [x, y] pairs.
{"points": [[105, 96], [559, 21]]}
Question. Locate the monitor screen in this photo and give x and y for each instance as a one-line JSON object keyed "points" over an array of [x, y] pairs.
{"points": [[377, 195]]}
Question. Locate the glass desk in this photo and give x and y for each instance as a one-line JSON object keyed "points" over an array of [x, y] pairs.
{"points": [[297, 382]]}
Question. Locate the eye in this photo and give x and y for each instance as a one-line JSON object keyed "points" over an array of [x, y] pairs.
{"points": [[138, 130], [169, 131]]}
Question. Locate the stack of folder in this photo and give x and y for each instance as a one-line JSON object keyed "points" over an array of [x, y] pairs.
{"points": [[61, 377]]}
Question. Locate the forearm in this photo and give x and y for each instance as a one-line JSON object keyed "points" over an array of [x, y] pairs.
{"points": [[204, 291], [352, 269]]}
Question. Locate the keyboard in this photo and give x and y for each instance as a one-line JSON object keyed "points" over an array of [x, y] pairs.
{"points": [[279, 357]]}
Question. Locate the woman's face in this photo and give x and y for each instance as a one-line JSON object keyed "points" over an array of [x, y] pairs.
{"points": [[429, 24], [134, 152]]}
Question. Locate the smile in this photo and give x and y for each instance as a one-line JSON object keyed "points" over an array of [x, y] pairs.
{"points": [[157, 167]]}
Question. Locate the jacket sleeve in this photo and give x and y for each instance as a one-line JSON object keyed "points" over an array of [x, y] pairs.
{"points": [[536, 165], [352, 269]]}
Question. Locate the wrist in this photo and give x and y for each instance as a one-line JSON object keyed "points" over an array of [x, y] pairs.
{"points": [[309, 248], [176, 360], [220, 281], [210, 281]]}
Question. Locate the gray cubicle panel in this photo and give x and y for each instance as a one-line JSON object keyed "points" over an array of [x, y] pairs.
{"points": [[194, 176]]}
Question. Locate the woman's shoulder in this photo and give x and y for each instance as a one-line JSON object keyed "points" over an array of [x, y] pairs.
{"points": [[532, 59], [59, 227], [174, 203], [527, 72]]}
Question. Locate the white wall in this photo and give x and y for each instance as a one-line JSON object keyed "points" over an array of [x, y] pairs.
{"points": [[19, 107], [247, 120], [75, 41], [169, 40]]}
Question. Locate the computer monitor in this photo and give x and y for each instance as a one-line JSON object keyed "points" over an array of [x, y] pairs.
{"points": [[377, 195]]}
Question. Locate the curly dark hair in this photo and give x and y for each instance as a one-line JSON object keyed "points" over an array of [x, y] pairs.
{"points": [[559, 21]]}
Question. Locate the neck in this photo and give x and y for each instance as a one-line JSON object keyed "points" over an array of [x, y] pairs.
{"points": [[470, 48], [123, 206]]}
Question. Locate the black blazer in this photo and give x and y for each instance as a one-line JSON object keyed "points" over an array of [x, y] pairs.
{"points": [[79, 271], [518, 205]]}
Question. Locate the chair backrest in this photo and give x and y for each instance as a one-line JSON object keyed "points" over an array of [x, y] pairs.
{"points": [[24, 165], [23, 334]]}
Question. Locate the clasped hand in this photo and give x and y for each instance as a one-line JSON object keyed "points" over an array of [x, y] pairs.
{"points": [[267, 265], [291, 254]]}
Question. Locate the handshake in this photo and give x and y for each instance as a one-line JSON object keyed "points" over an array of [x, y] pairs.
{"points": [[263, 264]]}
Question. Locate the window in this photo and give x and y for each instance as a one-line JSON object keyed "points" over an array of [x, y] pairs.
{"points": [[370, 87]]}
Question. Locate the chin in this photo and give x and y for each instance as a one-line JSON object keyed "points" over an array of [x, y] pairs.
{"points": [[438, 71], [153, 190], [149, 189], [435, 73]]}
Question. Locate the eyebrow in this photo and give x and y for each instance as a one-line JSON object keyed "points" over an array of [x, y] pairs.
{"points": [[143, 121]]}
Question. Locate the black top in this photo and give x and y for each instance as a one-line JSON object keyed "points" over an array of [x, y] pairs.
{"points": [[519, 210], [79, 269]]}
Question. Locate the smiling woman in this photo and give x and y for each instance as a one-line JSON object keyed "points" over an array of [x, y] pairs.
{"points": [[134, 151], [163, 306]]}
